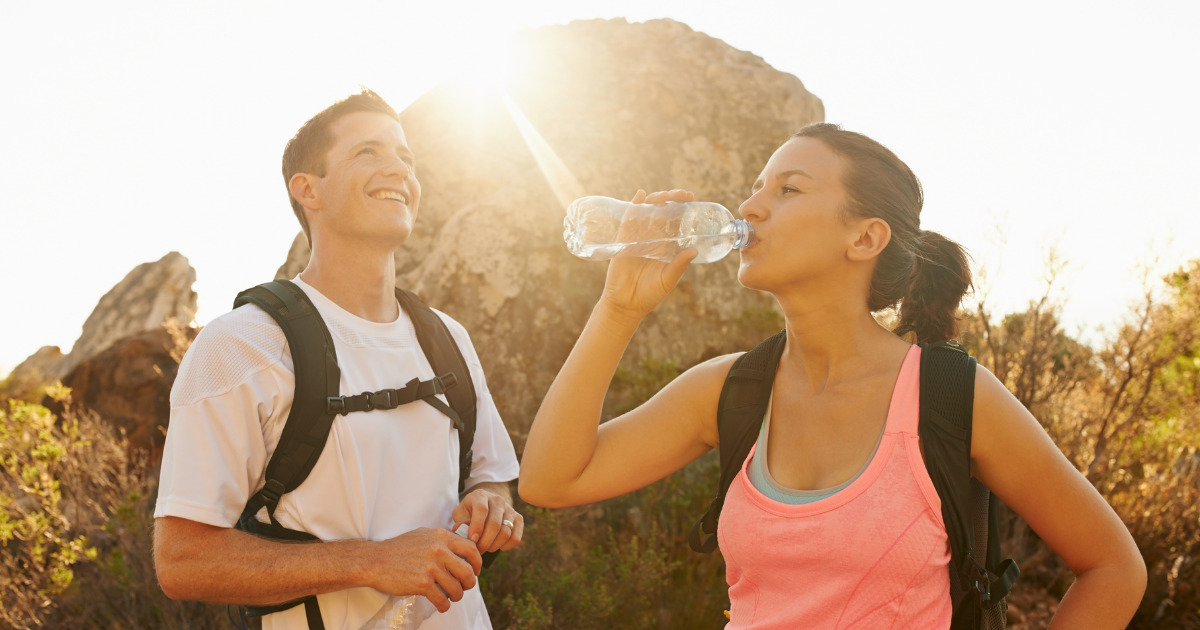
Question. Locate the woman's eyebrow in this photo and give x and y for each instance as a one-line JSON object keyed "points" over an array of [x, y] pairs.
{"points": [[759, 183]]}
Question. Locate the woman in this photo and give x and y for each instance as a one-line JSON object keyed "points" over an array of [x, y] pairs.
{"points": [[836, 524]]}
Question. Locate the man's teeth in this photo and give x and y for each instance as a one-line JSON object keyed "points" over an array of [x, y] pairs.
{"points": [[387, 194]]}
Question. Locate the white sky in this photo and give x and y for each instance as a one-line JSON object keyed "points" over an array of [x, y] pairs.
{"points": [[128, 130]]}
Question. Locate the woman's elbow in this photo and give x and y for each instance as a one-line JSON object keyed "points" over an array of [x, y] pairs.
{"points": [[538, 494], [530, 493], [1137, 573]]}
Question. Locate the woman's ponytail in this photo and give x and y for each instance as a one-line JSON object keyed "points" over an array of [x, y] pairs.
{"points": [[941, 276], [925, 272]]}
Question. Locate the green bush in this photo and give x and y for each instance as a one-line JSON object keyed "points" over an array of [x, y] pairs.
{"points": [[621, 563], [76, 527], [41, 542]]}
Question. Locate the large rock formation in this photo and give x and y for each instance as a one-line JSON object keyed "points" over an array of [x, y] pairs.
{"points": [[598, 108], [129, 384], [40, 368], [150, 295]]}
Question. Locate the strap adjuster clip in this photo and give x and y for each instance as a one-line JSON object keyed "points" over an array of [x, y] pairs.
{"points": [[272, 491], [335, 405], [444, 382]]}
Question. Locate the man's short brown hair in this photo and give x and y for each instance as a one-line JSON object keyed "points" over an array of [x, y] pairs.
{"points": [[305, 152]]}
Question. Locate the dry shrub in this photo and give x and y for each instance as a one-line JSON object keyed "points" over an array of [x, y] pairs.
{"points": [[1128, 416], [76, 527]]}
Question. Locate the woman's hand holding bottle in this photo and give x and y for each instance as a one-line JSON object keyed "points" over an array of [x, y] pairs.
{"points": [[635, 285]]}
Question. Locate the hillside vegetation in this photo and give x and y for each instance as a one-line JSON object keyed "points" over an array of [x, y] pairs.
{"points": [[77, 503]]}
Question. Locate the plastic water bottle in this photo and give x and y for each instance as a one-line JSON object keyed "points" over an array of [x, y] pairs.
{"points": [[408, 612], [598, 228]]}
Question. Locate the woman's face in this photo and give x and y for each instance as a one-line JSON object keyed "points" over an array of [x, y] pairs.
{"points": [[796, 207]]}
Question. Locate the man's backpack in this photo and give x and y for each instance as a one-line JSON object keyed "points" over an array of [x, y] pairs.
{"points": [[318, 401], [979, 580]]}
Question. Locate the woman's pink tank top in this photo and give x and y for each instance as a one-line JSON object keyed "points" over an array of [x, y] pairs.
{"points": [[874, 555]]}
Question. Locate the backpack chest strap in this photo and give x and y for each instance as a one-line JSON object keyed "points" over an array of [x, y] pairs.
{"points": [[414, 390]]}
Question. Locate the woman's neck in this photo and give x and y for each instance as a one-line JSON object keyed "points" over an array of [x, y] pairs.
{"points": [[833, 340]]}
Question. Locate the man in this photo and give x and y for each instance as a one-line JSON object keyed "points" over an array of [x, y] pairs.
{"points": [[383, 495]]}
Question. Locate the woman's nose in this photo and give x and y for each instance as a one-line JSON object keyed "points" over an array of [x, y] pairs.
{"points": [[750, 209]]}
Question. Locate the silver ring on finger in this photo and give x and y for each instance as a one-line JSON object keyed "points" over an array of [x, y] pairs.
{"points": [[506, 523]]}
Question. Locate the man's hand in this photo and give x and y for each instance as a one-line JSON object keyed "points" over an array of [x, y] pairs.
{"points": [[493, 524], [434, 563]]}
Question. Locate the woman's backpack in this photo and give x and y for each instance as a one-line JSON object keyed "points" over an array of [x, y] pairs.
{"points": [[980, 579]]}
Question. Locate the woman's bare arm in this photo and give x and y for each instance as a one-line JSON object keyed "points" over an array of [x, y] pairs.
{"points": [[1014, 457]]}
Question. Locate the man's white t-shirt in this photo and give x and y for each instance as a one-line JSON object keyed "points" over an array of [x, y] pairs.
{"points": [[382, 473]]}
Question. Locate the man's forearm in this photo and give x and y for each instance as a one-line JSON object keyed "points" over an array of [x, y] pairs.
{"points": [[214, 564]]}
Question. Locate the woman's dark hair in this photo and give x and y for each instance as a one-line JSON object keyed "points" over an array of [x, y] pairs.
{"points": [[925, 272]]}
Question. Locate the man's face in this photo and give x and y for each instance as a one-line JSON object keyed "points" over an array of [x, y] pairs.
{"points": [[370, 189]]}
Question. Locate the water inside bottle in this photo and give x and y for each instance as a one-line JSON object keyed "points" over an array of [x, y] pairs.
{"points": [[598, 228]]}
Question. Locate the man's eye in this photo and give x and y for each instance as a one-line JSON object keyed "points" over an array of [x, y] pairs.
{"points": [[367, 152], [789, 189]]}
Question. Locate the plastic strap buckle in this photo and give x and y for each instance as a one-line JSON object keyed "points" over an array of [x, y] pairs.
{"points": [[444, 382], [979, 577], [381, 399], [271, 492], [336, 405]]}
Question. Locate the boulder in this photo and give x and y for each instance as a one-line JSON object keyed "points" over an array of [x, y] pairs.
{"points": [[297, 258], [128, 385], [40, 368], [149, 296], [600, 107]]}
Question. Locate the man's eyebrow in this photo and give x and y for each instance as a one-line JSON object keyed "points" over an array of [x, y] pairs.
{"points": [[401, 149]]}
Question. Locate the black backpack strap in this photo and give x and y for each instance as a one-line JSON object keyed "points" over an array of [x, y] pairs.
{"points": [[317, 401], [317, 377], [448, 362], [947, 400], [743, 402], [307, 428]]}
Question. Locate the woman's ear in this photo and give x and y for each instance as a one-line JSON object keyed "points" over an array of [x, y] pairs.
{"points": [[873, 236]]}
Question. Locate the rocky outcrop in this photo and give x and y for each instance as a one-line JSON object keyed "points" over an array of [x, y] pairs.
{"points": [[297, 258], [129, 384], [150, 295], [40, 368], [598, 108]]}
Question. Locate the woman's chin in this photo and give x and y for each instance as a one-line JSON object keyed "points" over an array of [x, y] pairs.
{"points": [[748, 278]]}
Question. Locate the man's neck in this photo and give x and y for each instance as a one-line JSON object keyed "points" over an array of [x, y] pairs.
{"points": [[361, 282]]}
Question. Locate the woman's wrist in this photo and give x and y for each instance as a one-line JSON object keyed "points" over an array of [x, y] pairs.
{"points": [[616, 318]]}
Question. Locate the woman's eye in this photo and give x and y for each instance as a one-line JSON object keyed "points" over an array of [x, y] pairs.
{"points": [[789, 189], [367, 152]]}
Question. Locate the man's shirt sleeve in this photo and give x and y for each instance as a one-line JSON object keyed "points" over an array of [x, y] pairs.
{"points": [[234, 382]]}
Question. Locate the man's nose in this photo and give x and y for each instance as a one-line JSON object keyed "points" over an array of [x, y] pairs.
{"points": [[398, 167]]}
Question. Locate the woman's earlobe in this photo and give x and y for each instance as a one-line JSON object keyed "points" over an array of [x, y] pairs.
{"points": [[873, 237]]}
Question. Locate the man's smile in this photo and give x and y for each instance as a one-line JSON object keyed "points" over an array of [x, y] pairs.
{"points": [[394, 195]]}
